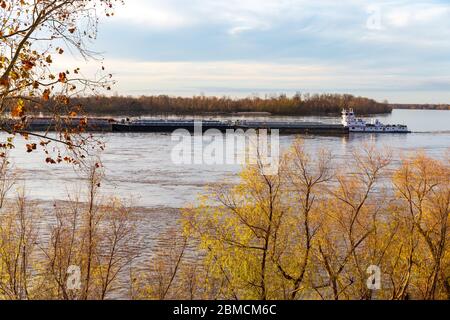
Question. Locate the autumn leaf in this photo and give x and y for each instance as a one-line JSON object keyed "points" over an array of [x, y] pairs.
{"points": [[46, 94], [44, 143], [31, 147], [14, 75], [4, 82], [62, 77], [19, 109], [50, 160], [28, 64]]}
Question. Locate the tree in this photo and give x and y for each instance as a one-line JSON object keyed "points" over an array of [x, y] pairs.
{"points": [[314, 232], [258, 236], [348, 240], [32, 34], [422, 186], [92, 234]]}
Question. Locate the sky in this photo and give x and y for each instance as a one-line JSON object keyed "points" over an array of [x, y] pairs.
{"points": [[396, 50]]}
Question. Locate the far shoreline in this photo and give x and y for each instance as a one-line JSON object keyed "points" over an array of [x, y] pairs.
{"points": [[231, 114]]}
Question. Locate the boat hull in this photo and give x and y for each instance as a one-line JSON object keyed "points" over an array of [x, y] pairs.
{"points": [[378, 131], [166, 128]]}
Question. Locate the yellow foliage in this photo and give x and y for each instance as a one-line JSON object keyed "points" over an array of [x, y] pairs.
{"points": [[311, 233]]}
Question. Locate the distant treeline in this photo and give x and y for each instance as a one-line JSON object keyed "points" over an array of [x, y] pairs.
{"points": [[300, 104], [422, 106]]}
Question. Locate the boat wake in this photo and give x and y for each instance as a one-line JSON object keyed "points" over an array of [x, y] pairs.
{"points": [[433, 132]]}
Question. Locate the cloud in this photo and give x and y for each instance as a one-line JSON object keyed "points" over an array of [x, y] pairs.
{"points": [[152, 14], [328, 19], [244, 78], [232, 14], [420, 14], [263, 45]]}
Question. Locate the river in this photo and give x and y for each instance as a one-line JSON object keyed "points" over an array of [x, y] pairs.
{"points": [[139, 167]]}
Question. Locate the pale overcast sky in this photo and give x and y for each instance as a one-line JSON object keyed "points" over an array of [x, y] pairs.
{"points": [[397, 50]]}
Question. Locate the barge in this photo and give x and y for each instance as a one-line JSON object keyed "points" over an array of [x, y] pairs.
{"points": [[170, 125], [349, 124], [223, 126], [48, 124]]}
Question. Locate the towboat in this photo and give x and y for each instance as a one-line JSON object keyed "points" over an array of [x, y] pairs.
{"points": [[359, 125]]}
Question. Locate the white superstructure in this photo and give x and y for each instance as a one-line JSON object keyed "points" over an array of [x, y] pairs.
{"points": [[359, 125]]}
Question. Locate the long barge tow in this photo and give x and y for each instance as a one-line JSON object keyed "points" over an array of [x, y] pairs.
{"points": [[349, 124]]}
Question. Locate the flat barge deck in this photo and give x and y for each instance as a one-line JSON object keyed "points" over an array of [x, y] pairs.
{"points": [[223, 126], [168, 126]]}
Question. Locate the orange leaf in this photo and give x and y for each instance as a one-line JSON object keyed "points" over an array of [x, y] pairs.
{"points": [[46, 94], [28, 64], [19, 109], [62, 77]]}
